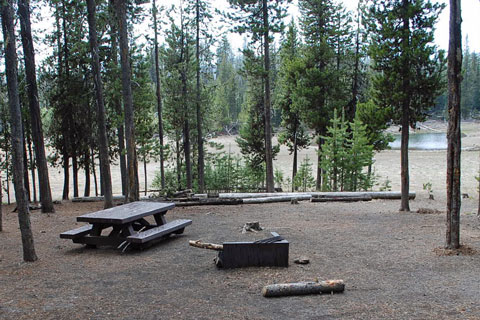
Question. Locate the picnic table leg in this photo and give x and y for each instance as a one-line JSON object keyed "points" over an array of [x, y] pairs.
{"points": [[116, 231], [160, 218], [96, 231]]}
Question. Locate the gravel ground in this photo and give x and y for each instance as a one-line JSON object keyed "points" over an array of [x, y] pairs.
{"points": [[390, 261]]}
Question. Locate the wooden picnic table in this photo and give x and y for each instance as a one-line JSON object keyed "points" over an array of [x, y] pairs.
{"points": [[126, 224]]}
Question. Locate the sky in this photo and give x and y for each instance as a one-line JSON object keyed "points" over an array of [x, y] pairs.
{"points": [[470, 24]]}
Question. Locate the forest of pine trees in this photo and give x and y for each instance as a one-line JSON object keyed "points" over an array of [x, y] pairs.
{"points": [[187, 83], [106, 93]]}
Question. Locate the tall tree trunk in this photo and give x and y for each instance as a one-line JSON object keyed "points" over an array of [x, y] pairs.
{"points": [[66, 175], [356, 69], [159, 97], [34, 105], [132, 186], [319, 162], [26, 180], [86, 191], [268, 129], [201, 157], [102, 128], [405, 179], [94, 171], [186, 125], [295, 160], [7, 176], [32, 168], [179, 162], [75, 173], [118, 104], [1, 203], [145, 172], [453, 133], [8, 28]]}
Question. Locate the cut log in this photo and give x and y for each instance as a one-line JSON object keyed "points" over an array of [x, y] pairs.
{"points": [[342, 199], [303, 288], [210, 202], [262, 195], [182, 193], [96, 199], [205, 245], [373, 194], [276, 199]]}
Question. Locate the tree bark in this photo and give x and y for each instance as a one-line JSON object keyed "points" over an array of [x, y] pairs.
{"points": [[303, 288], [8, 27], [319, 164], [86, 191], [159, 96], [75, 172], [32, 168], [268, 129], [102, 128], [132, 186], [295, 160], [453, 133], [94, 171], [66, 173], [1, 203], [405, 179], [186, 125], [34, 105], [26, 180], [117, 104], [145, 173], [201, 157]]}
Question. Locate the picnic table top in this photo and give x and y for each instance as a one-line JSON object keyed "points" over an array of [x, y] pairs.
{"points": [[126, 213]]}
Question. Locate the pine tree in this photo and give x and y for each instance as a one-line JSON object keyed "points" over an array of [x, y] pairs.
{"points": [[36, 122], [318, 74], [260, 19], [408, 65], [294, 134], [6, 15], [335, 153], [102, 128], [454, 133], [252, 139], [121, 12]]}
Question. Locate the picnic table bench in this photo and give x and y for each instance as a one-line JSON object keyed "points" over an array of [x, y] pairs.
{"points": [[126, 224]]}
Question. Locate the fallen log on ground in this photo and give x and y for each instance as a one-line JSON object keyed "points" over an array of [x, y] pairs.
{"points": [[373, 194], [95, 199], [209, 202], [341, 199], [205, 245], [303, 288], [276, 199], [182, 193], [239, 195]]}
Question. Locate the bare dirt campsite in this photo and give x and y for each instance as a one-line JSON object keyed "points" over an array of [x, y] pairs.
{"points": [[392, 263]]}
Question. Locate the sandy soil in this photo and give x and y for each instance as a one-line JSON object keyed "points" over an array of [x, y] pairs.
{"points": [[386, 258]]}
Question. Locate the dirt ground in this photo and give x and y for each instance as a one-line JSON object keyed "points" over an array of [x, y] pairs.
{"points": [[389, 261]]}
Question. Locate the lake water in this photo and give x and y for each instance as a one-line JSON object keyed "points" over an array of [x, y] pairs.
{"points": [[422, 141]]}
